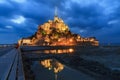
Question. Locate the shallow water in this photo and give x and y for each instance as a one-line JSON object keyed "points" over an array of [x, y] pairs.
{"points": [[53, 70]]}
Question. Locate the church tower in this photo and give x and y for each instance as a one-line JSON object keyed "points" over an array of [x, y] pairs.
{"points": [[56, 19], [56, 11]]}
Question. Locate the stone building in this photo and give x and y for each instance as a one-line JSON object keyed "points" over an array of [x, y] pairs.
{"points": [[56, 33]]}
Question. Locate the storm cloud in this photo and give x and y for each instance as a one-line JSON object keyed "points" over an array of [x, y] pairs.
{"points": [[99, 18]]}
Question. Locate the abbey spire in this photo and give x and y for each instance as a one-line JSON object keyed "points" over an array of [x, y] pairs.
{"points": [[56, 19], [56, 11]]}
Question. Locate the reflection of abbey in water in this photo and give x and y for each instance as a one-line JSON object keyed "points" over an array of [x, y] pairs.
{"points": [[56, 33], [52, 64], [57, 51]]}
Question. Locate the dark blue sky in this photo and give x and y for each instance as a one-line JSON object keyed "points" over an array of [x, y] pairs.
{"points": [[99, 18]]}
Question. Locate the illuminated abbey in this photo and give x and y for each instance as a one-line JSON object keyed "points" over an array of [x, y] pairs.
{"points": [[56, 33]]}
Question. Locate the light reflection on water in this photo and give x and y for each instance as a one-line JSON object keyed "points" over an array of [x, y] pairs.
{"points": [[57, 51], [52, 64], [51, 69]]}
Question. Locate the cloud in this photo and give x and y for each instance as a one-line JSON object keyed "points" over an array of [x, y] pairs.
{"points": [[19, 1], [86, 17], [9, 27], [2, 1], [113, 22], [18, 19]]}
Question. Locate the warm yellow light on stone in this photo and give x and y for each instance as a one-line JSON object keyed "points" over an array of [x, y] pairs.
{"points": [[71, 40], [71, 50], [56, 33]]}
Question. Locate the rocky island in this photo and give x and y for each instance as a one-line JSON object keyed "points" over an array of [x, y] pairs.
{"points": [[56, 33]]}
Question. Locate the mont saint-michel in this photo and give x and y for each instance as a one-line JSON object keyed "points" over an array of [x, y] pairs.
{"points": [[56, 33], [59, 40]]}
